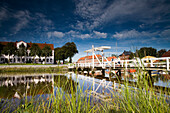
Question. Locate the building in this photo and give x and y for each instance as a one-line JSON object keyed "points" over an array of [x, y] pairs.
{"points": [[125, 55], [110, 58], [28, 58], [166, 54], [88, 59]]}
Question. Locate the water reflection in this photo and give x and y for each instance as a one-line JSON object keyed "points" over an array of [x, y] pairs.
{"points": [[17, 87]]}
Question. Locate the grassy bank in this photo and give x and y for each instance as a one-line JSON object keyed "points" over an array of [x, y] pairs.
{"points": [[22, 64], [33, 69]]}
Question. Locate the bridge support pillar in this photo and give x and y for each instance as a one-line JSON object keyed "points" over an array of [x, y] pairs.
{"points": [[118, 72], [103, 71]]}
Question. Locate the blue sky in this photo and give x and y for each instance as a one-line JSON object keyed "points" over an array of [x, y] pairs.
{"points": [[129, 23]]}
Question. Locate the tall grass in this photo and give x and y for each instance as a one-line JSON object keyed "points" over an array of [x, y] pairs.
{"points": [[68, 97], [72, 100]]}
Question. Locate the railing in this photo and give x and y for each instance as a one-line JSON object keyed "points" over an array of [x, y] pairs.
{"points": [[162, 62]]}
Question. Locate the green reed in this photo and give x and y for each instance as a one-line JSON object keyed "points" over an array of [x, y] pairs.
{"points": [[68, 97]]}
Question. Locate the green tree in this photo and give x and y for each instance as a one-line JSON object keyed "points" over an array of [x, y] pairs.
{"points": [[46, 52], [9, 49], [35, 50], [115, 55], [161, 52], [147, 51], [22, 51], [132, 55], [60, 54], [70, 50], [1, 48]]}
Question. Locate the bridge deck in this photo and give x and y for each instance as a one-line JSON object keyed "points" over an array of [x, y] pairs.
{"points": [[162, 63]]}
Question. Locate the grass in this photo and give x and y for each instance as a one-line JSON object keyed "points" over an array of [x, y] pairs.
{"points": [[23, 64], [33, 69], [74, 100]]}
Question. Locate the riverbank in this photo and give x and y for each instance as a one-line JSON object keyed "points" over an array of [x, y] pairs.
{"points": [[29, 65], [32, 69]]}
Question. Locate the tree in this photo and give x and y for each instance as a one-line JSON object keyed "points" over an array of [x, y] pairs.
{"points": [[46, 51], [132, 55], [35, 50], [161, 52], [1, 48], [60, 54], [9, 49], [22, 51], [115, 55], [70, 50], [147, 51]]}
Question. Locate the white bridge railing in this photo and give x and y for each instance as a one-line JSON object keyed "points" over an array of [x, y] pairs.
{"points": [[162, 62]]}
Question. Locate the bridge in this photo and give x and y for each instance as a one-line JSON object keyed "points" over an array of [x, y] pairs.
{"points": [[149, 64]]}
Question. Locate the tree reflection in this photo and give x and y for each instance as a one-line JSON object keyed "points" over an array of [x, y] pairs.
{"points": [[34, 85]]}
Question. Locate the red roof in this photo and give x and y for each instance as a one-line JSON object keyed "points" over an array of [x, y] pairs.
{"points": [[167, 54], [89, 57], [110, 58], [82, 58], [5, 43], [41, 45]]}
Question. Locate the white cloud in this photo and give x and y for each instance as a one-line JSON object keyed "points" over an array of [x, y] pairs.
{"points": [[83, 36], [89, 9], [3, 13], [133, 34], [100, 12], [55, 34], [82, 25], [143, 37], [23, 18], [94, 34], [39, 21], [165, 33], [71, 32], [43, 24], [100, 35]]}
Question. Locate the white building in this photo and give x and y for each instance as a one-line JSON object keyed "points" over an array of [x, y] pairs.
{"points": [[27, 59]]}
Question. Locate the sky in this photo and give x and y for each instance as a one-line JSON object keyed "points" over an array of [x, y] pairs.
{"points": [[129, 24]]}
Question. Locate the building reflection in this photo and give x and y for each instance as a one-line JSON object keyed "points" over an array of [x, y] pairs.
{"points": [[20, 86]]}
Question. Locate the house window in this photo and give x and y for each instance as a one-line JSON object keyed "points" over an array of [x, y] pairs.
{"points": [[39, 60], [18, 59], [23, 60], [50, 59], [47, 60]]}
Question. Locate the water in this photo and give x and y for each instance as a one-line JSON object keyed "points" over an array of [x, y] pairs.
{"points": [[14, 88]]}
